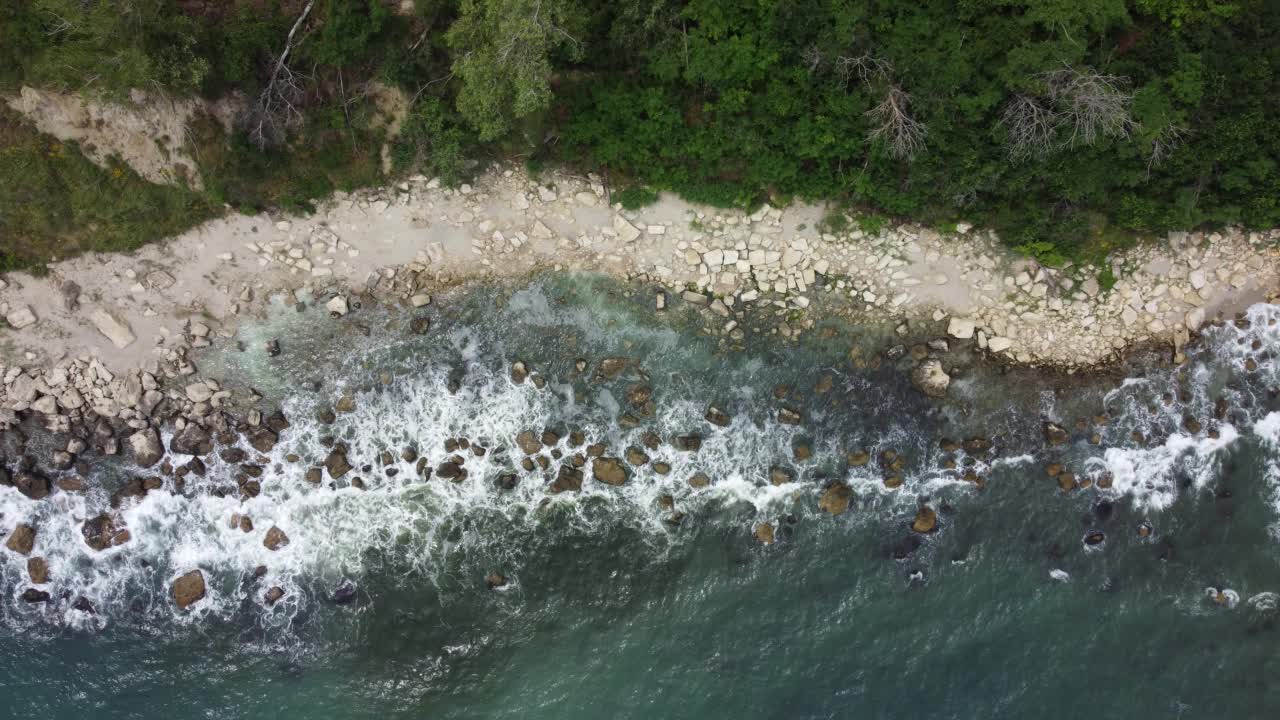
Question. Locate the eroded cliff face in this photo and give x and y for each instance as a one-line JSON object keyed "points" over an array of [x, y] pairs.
{"points": [[148, 133]]}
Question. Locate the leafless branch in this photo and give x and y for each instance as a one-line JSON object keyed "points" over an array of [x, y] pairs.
{"points": [[812, 57], [1031, 126], [1163, 145], [866, 67], [277, 107], [1092, 104], [902, 134]]}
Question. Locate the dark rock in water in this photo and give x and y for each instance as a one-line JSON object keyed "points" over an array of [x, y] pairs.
{"points": [[336, 463], [1094, 538], [196, 467], [423, 468], [577, 438], [506, 481], [273, 348], [789, 416], [273, 595], [825, 382], [263, 440], [926, 520], [188, 589], [495, 581], [689, 443], [835, 498], [661, 468], [357, 483], [528, 443], [1054, 434], [192, 440], [650, 440], [519, 372], [948, 445], [38, 569], [609, 470], [1103, 510], [345, 594], [716, 416], [101, 532], [32, 484], [639, 394], [636, 456], [779, 475], [419, 325], [61, 460], [675, 519], [260, 571], [628, 421], [764, 533], [699, 480], [858, 458], [903, 549], [610, 368], [232, 455], [277, 422], [595, 449], [568, 479], [6, 480], [83, 605], [666, 502], [802, 451], [146, 447], [314, 475], [893, 481], [326, 417], [450, 470], [22, 539], [976, 445], [32, 595], [346, 403], [1191, 425], [275, 538], [549, 438]]}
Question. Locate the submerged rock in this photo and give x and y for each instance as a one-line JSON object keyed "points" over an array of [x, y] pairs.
{"points": [[699, 480], [1054, 434], [835, 498], [764, 533], [275, 538], [716, 416], [32, 484], [38, 569], [188, 589], [273, 595]]}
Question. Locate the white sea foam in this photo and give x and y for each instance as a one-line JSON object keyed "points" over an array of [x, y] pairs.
{"points": [[1150, 475]]}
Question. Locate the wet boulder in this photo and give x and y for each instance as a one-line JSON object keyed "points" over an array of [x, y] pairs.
{"points": [[609, 470], [336, 463], [495, 580], [689, 443], [636, 456], [699, 480], [1094, 537], [263, 440], [146, 447], [611, 367], [519, 372], [926, 520], [345, 594], [38, 569], [506, 481], [451, 470], [1054, 434], [528, 442], [858, 458], [32, 595], [929, 378], [568, 479], [716, 416], [764, 533], [191, 440], [188, 589], [779, 475], [835, 498], [102, 532], [32, 484], [22, 540], [273, 595], [277, 422], [275, 539], [789, 416]]}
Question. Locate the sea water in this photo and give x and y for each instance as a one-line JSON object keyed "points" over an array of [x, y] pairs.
{"points": [[655, 599]]}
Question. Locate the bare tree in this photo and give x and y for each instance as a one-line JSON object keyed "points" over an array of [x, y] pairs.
{"points": [[1091, 104], [1163, 144], [1031, 127], [812, 57], [867, 68], [892, 123], [277, 107]]}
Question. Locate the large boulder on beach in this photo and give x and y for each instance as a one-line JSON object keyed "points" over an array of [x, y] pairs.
{"points": [[929, 378], [568, 479], [528, 442], [926, 520], [263, 440], [22, 539], [188, 589], [609, 470], [191, 440], [147, 448]]}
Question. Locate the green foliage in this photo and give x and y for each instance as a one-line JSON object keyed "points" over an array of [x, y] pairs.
{"points": [[1106, 278], [636, 197], [872, 224], [503, 57], [347, 31], [433, 140], [55, 203]]}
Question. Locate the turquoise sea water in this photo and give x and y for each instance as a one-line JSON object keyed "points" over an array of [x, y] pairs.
{"points": [[612, 610]]}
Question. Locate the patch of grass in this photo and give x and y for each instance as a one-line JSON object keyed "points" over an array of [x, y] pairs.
{"points": [[872, 223], [55, 203], [636, 197], [1106, 278], [836, 222]]}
